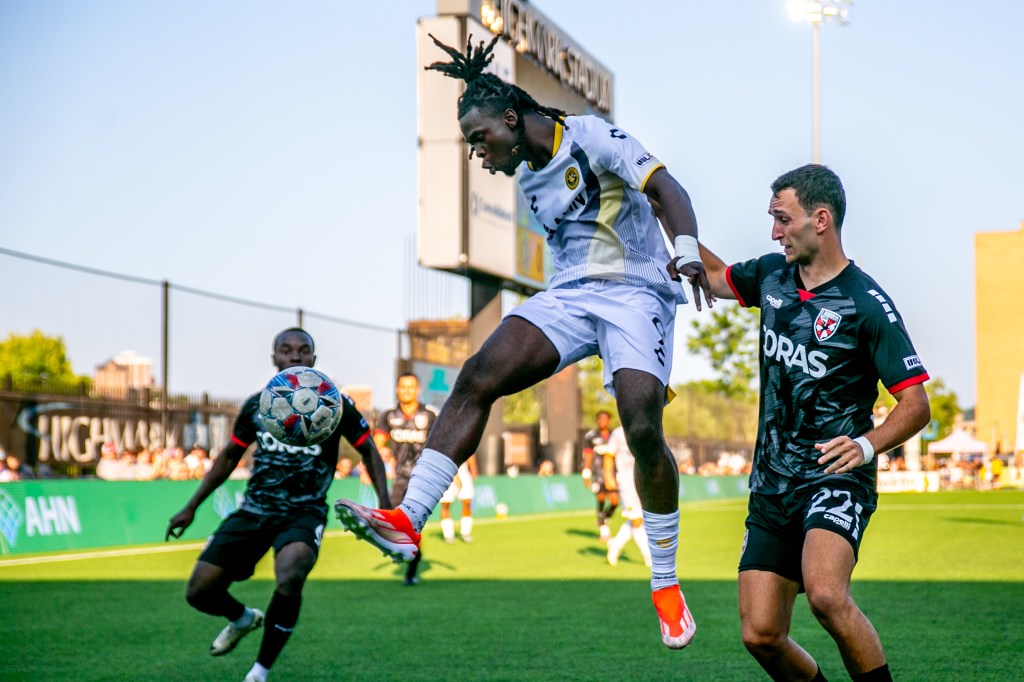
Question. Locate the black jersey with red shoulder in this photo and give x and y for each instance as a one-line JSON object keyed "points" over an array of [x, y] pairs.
{"points": [[287, 479], [407, 433], [597, 441], [822, 355]]}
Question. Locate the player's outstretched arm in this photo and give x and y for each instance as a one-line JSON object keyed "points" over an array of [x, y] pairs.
{"points": [[715, 269], [220, 470], [375, 469], [674, 210]]}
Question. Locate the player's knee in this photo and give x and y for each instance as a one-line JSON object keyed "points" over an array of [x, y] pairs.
{"points": [[291, 583], [762, 641], [644, 437], [826, 601], [197, 595], [475, 381]]}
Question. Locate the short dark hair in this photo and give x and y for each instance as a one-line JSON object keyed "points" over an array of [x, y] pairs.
{"points": [[407, 374], [604, 412], [815, 186], [312, 346]]}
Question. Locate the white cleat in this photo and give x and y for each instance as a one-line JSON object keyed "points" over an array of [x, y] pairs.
{"points": [[230, 636]]}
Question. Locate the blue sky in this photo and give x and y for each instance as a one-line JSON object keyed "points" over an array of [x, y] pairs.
{"points": [[267, 150]]}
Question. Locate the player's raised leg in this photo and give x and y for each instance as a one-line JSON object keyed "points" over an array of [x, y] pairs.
{"points": [[207, 591], [516, 356], [641, 398]]}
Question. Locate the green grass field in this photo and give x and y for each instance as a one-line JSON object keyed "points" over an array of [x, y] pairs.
{"points": [[941, 577]]}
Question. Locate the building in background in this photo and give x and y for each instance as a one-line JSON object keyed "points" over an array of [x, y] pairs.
{"points": [[999, 321], [128, 371]]}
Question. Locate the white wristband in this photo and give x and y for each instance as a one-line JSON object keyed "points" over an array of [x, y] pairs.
{"points": [[586, 473], [865, 445], [686, 248]]}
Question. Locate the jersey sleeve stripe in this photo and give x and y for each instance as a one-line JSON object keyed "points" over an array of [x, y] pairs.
{"points": [[238, 441], [649, 174], [907, 383], [362, 439], [728, 279]]}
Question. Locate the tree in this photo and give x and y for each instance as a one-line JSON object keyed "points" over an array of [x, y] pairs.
{"points": [[941, 400], [36, 359], [593, 397], [728, 340]]}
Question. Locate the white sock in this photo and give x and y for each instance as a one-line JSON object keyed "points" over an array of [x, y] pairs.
{"points": [[640, 538], [448, 528], [663, 540], [466, 526], [245, 620], [430, 478], [618, 543], [258, 671]]}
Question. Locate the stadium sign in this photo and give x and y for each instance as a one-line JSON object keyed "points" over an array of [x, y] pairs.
{"points": [[533, 34], [40, 516]]}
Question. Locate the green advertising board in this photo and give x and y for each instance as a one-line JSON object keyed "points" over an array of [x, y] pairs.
{"points": [[61, 515]]}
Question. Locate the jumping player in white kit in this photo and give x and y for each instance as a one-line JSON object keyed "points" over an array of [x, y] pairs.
{"points": [[592, 187]]}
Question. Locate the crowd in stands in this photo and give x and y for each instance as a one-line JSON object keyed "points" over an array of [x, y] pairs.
{"points": [[147, 464], [177, 464]]}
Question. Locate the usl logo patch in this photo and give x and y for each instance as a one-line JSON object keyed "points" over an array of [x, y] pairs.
{"points": [[826, 324], [572, 177]]}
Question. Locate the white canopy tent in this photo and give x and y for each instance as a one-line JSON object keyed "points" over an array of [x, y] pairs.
{"points": [[959, 443]]}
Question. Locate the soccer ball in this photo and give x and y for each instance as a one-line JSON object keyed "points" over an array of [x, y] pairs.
{"points": [[300, 406]]}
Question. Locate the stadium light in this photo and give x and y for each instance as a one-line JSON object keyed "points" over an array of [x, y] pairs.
{"points": [[817, 13]]}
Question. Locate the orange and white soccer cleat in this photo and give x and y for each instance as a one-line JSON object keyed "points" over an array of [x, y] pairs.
{"points": [[389, 530], [677, 625]]}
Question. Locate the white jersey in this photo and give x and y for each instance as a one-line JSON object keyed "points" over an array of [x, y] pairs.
{"points": [[624, 464], [589, 199]]}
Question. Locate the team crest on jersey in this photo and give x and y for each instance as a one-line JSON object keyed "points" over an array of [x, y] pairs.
{"points": [[826, 324], [572, 177], [421, 420]]}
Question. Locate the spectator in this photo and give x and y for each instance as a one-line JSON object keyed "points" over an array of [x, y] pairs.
{"points": [[10, 468], [109, 466], [345, 469]]}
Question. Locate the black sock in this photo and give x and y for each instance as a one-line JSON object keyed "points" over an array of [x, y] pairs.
{"points": [[880, 674], [410, 570], [282, 614], [819, 677], [601, 517]]}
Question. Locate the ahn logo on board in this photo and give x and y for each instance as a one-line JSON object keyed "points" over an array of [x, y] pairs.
{"points": [[49, 515]]}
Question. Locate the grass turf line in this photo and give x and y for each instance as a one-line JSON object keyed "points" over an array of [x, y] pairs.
{"points": [[939, 576]]}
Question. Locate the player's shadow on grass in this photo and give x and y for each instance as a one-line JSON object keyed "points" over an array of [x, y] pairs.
{"points": [[581, 533], [984, 522]]}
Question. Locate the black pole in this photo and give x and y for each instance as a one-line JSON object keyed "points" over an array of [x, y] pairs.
{"points": [[165, 363]]}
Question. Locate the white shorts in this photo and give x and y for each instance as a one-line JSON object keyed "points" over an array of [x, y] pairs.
{"points": [[630, 327], [461, 487]]}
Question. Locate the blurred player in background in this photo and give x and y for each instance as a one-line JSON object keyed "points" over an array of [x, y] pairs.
{"points": [[461, 489], [284, 508], [599, 471], [633, 526], [592, 187], [829, 334], [402, 430]]}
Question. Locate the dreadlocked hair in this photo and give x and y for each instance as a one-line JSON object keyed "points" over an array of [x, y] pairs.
{"points": [[484, 89]]}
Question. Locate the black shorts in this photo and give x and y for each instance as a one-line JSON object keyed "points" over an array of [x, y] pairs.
{"points": [[244, 537], [777, 524]]}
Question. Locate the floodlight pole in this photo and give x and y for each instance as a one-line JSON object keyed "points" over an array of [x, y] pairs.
{"points": [[816, 92], [816, 12]]}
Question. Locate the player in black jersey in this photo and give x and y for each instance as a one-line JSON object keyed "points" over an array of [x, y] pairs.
{"points": [[404, 428], [829, 334], [599, 472], [284, 508]]}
